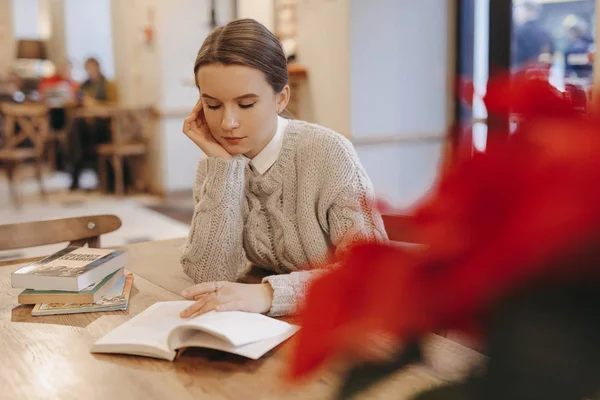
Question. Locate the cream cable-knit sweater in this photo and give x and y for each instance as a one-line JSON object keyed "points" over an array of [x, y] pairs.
{"points": [[315, 198]]}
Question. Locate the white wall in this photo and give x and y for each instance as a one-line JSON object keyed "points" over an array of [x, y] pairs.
{"points": [[45, 19], [181, 35], [138, 70], [399, 71], [261, 10], [401, 172], [88, 33], [26, 19], [324, 48], [400, 84], [161, 74], [57, 51]]}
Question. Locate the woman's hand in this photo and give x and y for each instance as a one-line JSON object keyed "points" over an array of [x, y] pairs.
{"points": [[196, 128], [227, 296]]}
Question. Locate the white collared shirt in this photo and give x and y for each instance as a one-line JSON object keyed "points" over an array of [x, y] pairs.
{"points": [[267, 157]]}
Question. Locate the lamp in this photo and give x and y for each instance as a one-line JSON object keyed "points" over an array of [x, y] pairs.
{"points": [[31, 49]]}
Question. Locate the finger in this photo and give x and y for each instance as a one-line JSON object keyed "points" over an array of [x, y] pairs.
{"points": [[231, 306], [198, 103], [194, 308], [193, 115], [201, 288], [209, 306], [187, 123], [200, 116], [222, 297], [197, 110]]}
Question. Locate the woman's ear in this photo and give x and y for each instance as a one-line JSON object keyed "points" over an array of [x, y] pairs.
{"points": [[283, 98]]}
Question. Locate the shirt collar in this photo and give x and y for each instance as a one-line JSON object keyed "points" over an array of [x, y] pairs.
{"points": [[267, 157]]}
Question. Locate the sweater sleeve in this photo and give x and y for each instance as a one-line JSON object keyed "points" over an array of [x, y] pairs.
{"points": [[214, 250], [351, 217]]}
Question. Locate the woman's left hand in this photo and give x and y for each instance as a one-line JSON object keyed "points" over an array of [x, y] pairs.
{"points": [[228, 296]]}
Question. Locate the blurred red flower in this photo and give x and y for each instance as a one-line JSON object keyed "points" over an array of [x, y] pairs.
{"points": [[494, 224]]}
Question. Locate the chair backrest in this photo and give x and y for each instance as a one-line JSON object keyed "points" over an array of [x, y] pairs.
{"points": [[32, 123], [400, 228], [78, 231]]}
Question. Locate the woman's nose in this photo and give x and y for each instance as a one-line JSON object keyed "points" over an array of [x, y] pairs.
{"points": [[229, 122]]}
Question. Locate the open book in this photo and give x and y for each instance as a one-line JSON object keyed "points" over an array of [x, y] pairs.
{"points": [[159, 332]]}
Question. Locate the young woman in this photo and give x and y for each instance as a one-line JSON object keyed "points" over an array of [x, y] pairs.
{"points": [[283, 194]]}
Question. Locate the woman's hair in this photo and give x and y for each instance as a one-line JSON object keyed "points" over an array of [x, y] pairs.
{"points": [[94, 61], [246, 42]]}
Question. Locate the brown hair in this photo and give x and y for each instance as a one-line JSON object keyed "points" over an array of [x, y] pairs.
{"points": [[92, 60], [246, 42]]}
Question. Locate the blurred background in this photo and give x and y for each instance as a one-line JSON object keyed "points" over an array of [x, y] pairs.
{"points": [[381, 72]]}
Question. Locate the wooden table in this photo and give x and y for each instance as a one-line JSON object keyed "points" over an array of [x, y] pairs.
{"points": [[48, 357]]}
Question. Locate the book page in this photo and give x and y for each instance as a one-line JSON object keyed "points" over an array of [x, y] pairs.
{"points": [[150, 328], [236, 327], [255, 350]]}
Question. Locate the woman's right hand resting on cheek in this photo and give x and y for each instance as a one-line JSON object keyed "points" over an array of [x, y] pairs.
{"points": [[196, 128]]}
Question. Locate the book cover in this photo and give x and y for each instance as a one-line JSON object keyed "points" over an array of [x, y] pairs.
{"points": [[117, 298], [71, 269], [90, 294], [69, 262]]}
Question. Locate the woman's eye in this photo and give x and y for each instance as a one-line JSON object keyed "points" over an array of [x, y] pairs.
{"points": [[213, 107], [247, 105]]}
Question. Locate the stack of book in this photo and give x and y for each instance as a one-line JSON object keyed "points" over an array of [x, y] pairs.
{"points": [[75, 280]]}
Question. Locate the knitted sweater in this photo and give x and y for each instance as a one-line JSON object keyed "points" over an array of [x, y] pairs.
{"points": [[313, 202]]}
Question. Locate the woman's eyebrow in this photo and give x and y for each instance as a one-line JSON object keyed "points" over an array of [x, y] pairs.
{"points": [[242, 97], [247, 96]]}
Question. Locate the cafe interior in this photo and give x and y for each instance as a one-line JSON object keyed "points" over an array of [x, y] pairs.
{"points": [[93, 95]]}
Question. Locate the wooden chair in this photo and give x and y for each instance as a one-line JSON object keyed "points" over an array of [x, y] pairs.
{"points": [[58, 138], [129, 139], [78, 231], [26, 145], [108, 111]]}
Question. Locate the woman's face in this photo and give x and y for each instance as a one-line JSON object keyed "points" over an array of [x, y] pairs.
{"points": [[93, 70], [240, 107]]}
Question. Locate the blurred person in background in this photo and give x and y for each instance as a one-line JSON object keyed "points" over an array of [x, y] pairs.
{"points": [[530, 39], [59, 91], [87, 133], [97, 89], [577, 60], [59, 88]]}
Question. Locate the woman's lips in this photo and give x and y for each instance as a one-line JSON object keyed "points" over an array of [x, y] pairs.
{"points": [[234, 140]]}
